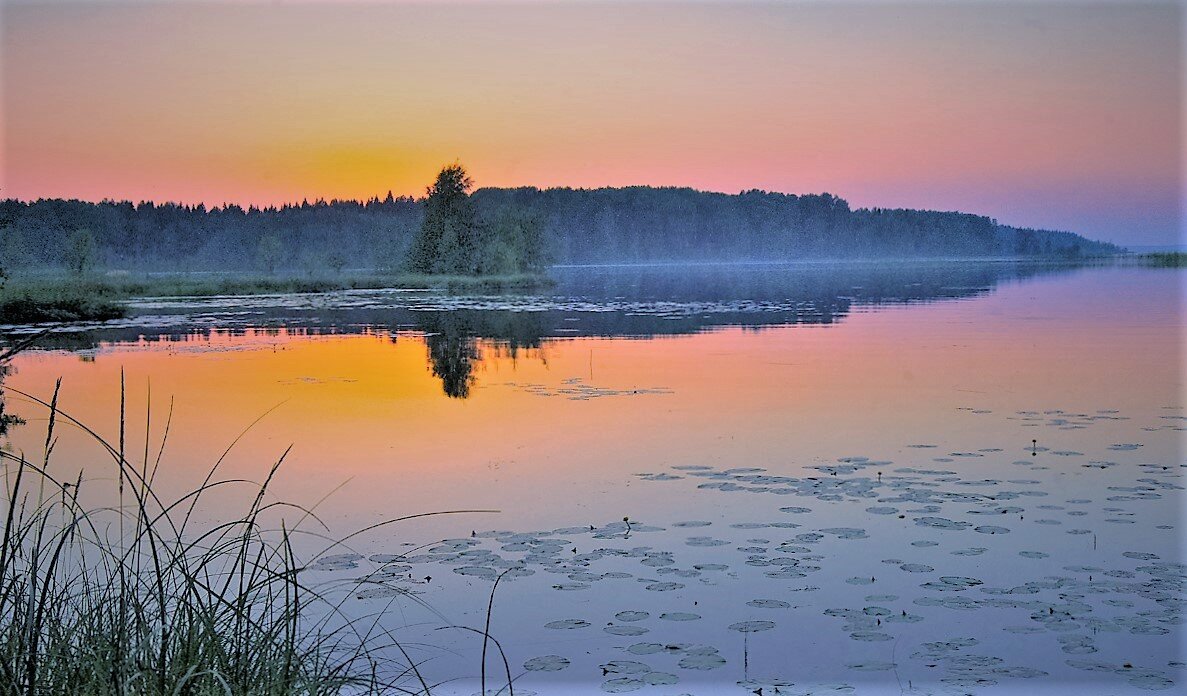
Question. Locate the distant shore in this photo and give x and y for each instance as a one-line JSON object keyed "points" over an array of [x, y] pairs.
{"points": [[49, 297], [1164, 259]]}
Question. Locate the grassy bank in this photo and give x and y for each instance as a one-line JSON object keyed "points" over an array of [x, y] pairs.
{"points": [[123, 600], [64, 298]]}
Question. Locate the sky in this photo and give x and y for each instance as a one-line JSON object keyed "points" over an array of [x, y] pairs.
{"points": [[1063, 115]]}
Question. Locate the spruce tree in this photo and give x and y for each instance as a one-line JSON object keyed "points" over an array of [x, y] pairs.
{"points": [[446, 241]]}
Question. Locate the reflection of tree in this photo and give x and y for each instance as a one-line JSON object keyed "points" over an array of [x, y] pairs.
{"points": [[7, 420], [452, 355], [452, 342]]}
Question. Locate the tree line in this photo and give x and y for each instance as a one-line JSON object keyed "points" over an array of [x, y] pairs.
{"points": [[454, 229]]}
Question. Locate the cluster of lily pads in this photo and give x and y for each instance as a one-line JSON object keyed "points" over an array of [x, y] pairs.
{"points": [[685, 578]]}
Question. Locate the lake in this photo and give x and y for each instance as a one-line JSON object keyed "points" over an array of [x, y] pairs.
{"points": [[870, 478]]}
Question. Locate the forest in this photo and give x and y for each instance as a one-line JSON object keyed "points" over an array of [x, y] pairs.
{"points": [[637, 224]]}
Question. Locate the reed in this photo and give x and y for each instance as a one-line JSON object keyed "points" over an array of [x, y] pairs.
{"points": [[133, 598]]}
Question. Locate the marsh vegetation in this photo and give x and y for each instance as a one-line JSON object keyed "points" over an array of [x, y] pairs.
{"points": [[140, 597]]}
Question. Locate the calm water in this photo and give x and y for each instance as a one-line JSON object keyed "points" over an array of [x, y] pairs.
{"points": [[904, 479]]}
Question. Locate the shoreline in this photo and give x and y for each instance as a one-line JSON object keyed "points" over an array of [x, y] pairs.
{"points": [[56, 297]]}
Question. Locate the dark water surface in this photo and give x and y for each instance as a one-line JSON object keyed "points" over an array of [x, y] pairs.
{"points": [[940, 478]]}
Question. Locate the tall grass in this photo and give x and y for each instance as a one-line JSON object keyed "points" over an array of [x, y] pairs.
{"points": [[131, 598]]}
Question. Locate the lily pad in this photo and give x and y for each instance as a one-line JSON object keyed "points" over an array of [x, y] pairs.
{"points": [[679, 616], [768, 604], [752, 626], [625, 667], [567, 624], [546, 663], [704, 661]]}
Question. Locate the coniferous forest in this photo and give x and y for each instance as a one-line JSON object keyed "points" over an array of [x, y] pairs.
{"points": [[511, 230]]}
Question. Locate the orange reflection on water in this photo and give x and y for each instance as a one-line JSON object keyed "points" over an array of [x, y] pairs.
{"points": [[368, 410]]}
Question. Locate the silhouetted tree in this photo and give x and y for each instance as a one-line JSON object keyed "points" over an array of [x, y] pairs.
{"points": [[446, 241]]}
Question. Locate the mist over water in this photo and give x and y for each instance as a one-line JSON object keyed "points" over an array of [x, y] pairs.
{"points": [[616, 300]]}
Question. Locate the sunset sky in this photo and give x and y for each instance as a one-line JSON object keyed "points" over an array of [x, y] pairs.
{"points": [[1059, 114]]}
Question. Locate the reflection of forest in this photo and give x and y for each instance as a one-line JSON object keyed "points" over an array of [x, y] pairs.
{"points": [[7, 420], [452, 341], [618, 301], [865, 283]]}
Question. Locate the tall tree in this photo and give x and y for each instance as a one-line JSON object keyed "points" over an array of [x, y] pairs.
{"points": [[446, 241]]}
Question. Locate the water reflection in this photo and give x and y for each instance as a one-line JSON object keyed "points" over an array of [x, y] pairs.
{"points": [[452, 342], [600, 302], [7, 420], [452, 355], [870, 485]]}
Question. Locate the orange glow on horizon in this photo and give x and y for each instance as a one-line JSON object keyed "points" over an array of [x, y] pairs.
{"points": [[1055, 115]]}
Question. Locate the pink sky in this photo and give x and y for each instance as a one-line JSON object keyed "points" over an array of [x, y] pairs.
{"points": [[1063, 115]]}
